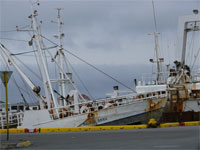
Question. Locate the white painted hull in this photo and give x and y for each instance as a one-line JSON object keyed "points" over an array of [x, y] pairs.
{"points": [[127, 114], [121, 112], [41, 118]]}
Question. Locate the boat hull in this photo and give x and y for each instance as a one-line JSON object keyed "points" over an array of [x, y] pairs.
{"points": [[133, 113], [41, 119], [142, 118]]}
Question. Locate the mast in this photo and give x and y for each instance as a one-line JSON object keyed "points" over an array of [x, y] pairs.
{"points": [[158, 60], [45, 76], [61, 57]]}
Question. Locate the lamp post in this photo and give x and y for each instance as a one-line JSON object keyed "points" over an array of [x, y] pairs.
{"points": [[5, 76]]}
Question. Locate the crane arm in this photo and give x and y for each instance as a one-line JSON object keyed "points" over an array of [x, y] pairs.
{"points": [[36, 89]]}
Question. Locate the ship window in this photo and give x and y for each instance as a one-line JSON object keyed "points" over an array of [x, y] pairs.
{"points": [[100, 107], [163, 92], [34, 108], [21, 108], [119, 100], [27, 108]]}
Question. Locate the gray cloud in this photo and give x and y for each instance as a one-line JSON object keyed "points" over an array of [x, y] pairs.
{"points": [[109, 34]]}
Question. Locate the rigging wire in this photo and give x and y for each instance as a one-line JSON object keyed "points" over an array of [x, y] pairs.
{"points": [[94, 67], [22, 95], [195, 58], [27, 67], [36, 75], [154, 14], [36, 58], [27, 91], [79, 78], [192, 48], [25, 85], [152, 65], [33, 51], [16, 30], [8, 31], [63, 72], [13, 39], [19, 88], [8, 68], [44, 47], [56, 75]]}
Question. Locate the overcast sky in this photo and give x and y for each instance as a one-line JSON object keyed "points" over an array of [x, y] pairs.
{"points": [[111, 34]]}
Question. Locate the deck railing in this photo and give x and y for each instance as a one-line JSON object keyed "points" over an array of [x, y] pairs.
{"points": [[104, 104], [15, 119]]}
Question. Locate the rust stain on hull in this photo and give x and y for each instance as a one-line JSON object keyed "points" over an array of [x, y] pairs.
{"points": [[152, 105]]}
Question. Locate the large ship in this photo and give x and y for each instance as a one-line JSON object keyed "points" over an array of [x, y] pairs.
{"points": [[181, 83], [66, 106]]}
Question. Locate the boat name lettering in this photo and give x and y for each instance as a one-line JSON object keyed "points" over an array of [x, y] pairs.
{"points": [[102, 119]]}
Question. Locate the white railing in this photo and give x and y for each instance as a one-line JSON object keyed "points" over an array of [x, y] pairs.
{"points": [[15, 119], [151, 78], [195, 76], [66, 111]]}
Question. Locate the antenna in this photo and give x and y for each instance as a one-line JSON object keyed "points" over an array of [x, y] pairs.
{"points": [[154, 14], [60, 34]]}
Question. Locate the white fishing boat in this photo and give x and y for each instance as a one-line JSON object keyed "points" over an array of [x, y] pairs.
{"points": [[71, 108]]}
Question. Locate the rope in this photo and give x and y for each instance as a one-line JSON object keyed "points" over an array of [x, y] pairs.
{"points": [[91, 65], [79, 79], [13, 39], [35, 57], [9, 31], [29, 69], [63, 73], [192, 48], [27, 91], [195, 58], [32, 51], [15, 82], [4, 60], [15, 29]]}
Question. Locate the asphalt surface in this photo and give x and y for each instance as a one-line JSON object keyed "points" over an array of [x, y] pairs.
{"points": [[172, 138]]}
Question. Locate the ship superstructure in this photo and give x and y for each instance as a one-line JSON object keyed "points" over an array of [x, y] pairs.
{"points": [[181, 84]]}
